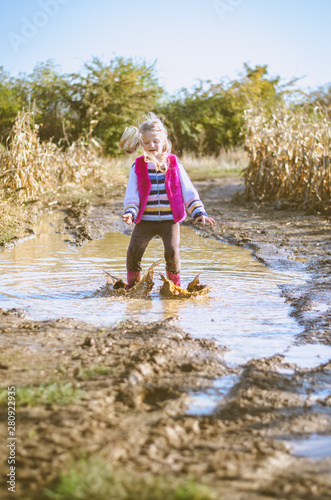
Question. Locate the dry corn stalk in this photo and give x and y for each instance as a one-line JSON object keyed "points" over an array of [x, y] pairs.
{"points": [[289, 156], [29, 167], [13, 217]]}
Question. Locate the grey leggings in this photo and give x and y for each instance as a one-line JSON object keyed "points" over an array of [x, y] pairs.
{"points": [[142, 234]]}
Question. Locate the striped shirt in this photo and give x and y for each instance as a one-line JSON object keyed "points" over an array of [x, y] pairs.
{"points": [[158, 206]]}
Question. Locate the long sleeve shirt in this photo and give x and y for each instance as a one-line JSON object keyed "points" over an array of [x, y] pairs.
{"points": [[158, 206]]}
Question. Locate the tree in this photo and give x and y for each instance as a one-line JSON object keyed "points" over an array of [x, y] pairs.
{"points": [[10, 103], [114, 94], [211, 116], [48, 92]]}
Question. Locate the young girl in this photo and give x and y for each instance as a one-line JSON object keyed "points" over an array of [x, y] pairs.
{"points": [[157, 193]]}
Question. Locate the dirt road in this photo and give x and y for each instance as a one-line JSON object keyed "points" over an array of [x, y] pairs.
{"points": [[110, 404]]}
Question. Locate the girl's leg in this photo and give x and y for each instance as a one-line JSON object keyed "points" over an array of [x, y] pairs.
{"points": [[170, 237], [141, 236]]}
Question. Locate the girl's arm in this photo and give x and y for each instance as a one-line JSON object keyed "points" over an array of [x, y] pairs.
{"points": [[131, 200]]}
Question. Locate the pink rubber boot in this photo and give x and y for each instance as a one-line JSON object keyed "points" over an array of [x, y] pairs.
{"points": [[133, 277], [175, 278]]}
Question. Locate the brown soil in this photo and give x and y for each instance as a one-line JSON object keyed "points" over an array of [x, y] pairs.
{"points": [[135, 380]]}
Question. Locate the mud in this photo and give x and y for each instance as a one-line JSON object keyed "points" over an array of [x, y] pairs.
{"points": [[135, 383], [279, 236], [116, 286], [84, 221], [282, 238]]}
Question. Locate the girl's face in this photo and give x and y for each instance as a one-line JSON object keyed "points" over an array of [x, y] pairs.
{"points": [[153, 142]]}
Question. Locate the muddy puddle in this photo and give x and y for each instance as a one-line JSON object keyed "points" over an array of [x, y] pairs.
{"points": [[315, 446], [185, 403], [48, 277]]}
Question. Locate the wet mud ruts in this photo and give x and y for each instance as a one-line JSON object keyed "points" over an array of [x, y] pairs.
{"points": [[122, 394], [282, 237]]}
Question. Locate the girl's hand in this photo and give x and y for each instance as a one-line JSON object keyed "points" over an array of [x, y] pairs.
{"points": [[128, 218], [204, 219]]}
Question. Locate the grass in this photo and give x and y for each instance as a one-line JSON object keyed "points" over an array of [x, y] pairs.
{"points": [[112, 178], [55, 393], [95, 372], [95, 479], [231, 163], [228, 164]]}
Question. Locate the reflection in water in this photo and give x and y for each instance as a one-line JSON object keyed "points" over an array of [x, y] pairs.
{"points": [[206, 401], [50, 278], [314, 447]]}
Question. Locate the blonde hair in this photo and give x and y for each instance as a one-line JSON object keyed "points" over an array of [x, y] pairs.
{"points": [[132, 136]]}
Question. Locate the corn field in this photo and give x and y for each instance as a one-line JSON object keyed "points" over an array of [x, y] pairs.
{"points": [[289, 156], [29, 167]]}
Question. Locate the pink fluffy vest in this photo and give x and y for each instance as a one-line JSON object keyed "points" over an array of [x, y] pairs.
{"points": [[172, 186]]}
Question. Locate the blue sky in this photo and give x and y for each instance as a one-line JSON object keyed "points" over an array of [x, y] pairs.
{"points": [[189, 39]]}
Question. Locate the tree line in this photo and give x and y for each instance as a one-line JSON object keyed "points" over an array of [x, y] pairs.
{"points": [[107, 97]]}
